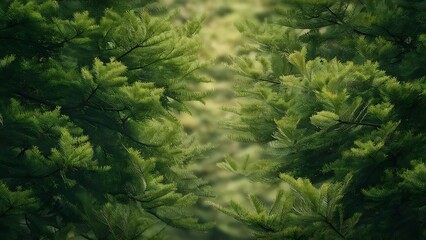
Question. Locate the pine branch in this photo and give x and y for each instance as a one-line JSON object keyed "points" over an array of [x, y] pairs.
{"points": [[36, 99], [120, 130], [165, 58], [53, 106], [86, 101], [360, 123], [140, 45], [128, 52], [106, 109], [86, 237], [267, 80], [334, 228], [335, 15], [66, 40], [162, 219]]}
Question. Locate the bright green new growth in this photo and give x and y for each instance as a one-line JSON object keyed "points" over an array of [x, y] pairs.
{"points": [[336, 89], [293, 215], [90, 144]]}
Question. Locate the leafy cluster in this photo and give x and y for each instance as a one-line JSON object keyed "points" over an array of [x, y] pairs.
{"points": [[337, 89], [90, 145]]}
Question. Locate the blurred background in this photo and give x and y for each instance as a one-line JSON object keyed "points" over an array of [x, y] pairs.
{"points": [[220, 40]]}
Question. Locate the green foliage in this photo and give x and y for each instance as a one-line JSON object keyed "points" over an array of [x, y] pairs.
{"points": [[304, 213], [90, 145], [335, 89], [390, 32]]}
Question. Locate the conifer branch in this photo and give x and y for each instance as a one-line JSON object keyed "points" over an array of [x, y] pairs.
{"points": [[22, 152], [154, 213], [338, 21], [190, 72], [261, 79], [140, 45], [67, 40], [333, 227], [165, 58], [120, 130], [155, 236], [128, 51], [335, 15], [360, 123], [265, 227], [36, 99], [148, 64], [267, 80], [106, 109], [52, 105], [86, 237], [163, 219], [92, 93]]}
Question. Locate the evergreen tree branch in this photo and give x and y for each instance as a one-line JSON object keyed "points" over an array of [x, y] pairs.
{"points": [[339, 22], [148, 64], [165, 58], [86, 237], [267, 80], [335, 15], [261, 79], [140, 45], [66, 40], [333, 227], [53, 106], [359, 123], [36, 99], [120, 130], [22, 152], [155, 236], [106, 109], [152, 212], [86, 101], [162, 219], [128, 52]]}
